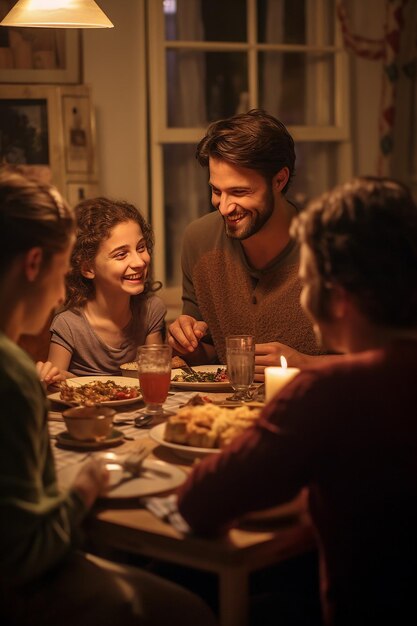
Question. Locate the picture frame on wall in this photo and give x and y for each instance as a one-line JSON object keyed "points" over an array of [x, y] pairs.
{"points": [[38, 55], [28, 125], [24, 131], [50, 130], [78, 134]]}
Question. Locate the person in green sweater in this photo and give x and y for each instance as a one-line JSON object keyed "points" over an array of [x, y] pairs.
{"points": [[44, 577]]}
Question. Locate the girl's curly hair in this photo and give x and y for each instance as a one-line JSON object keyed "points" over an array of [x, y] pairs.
{"points": [[95, 219]]}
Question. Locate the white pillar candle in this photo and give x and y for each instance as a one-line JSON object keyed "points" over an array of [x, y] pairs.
{"points": [[276, 378]]}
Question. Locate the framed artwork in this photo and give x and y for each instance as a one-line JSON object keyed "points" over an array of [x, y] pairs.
{"points": [[24, 131], [38, 55], [50, 129], [77, 130]]}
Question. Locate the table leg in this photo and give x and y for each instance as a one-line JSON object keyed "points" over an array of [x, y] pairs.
{"points": [[234, 597]]}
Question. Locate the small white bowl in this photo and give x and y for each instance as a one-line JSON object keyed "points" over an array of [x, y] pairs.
{"points": [[130, 369], [89, 423]]}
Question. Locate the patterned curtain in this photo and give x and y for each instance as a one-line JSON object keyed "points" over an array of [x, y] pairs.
{"points": [[387, 50]]}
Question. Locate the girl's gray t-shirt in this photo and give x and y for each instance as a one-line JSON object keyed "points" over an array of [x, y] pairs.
{"points": [[89, 354]]}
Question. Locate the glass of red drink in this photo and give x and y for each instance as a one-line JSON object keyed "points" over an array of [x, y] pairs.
{"points": [[154, 367]]}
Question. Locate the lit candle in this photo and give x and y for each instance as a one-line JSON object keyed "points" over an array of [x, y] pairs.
{"points": [[277, 377]]}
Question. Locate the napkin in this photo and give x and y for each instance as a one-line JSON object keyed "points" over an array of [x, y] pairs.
{"points": [[166, 508]]}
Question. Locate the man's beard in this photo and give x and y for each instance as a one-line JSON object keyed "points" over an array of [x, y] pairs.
{"points": [[256, 220]]}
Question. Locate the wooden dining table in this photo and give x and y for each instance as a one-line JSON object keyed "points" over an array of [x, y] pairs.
{"points": [[260, 540]]}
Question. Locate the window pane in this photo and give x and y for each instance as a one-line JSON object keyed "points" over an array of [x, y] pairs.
{"points": [[187, 197], [295, 22], [205, 86], [315, 171], [205, 20], [297, 87]]}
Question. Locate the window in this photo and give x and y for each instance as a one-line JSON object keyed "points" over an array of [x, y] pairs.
{"points": [[210, 59]]}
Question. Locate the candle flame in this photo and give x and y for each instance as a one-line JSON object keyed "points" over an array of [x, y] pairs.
{"points": [[283, 362]]}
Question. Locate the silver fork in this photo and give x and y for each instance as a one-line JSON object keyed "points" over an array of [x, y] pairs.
{"points": [[188, 369], [133, 465], [134, 460], [259, 393]]}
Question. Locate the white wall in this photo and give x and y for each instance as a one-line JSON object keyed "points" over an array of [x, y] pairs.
{"points": [[114, 67]]}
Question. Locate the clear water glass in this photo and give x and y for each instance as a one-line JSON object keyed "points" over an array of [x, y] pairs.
{"points": [[240, 357]]}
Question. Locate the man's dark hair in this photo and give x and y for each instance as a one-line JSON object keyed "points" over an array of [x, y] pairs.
{"points": [[363, 236], [255, 140]]}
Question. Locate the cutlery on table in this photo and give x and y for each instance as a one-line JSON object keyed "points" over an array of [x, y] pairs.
{"points": [[143, 420], [132, 465], [188, 370], [259, 393]]}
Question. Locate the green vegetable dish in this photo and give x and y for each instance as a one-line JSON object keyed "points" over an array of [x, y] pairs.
{"points": [[218, 376]]}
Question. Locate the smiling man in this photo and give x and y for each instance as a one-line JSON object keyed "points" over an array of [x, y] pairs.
{"points": [[239, 263], [347, 430]]}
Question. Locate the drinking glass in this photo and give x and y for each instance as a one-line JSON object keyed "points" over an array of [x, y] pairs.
{"points": [[154, 368], [240, 356]]}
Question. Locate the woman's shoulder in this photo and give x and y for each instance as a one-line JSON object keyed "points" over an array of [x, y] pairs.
{"points": [[148, 304], [68, 316], [17, 369], [155, 303]]}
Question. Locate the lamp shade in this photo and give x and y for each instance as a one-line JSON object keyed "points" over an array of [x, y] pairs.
{"points": [[57, 14]]}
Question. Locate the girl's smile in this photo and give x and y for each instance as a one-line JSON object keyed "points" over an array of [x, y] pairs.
{"points": [[122, 261]]}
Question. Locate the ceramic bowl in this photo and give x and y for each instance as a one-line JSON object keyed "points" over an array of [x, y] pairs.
{"points": [[130, 369], [89, 423]]}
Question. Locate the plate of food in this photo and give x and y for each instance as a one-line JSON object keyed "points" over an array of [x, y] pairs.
{"points": [[155, 477], [195, 431], [205, 378], [91, 390]]}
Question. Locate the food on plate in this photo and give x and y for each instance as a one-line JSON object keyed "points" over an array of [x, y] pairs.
{"points": [[177, 361], [218, 376], [132, 365], [198, 400], [209, 426], [96, 392]]}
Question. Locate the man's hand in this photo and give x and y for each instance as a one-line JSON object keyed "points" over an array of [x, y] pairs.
{"points": [[185, 333], [269, 354]]}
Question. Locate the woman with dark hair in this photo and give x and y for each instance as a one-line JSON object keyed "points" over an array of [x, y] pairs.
{"points": [[110, 309], [44, 579]]}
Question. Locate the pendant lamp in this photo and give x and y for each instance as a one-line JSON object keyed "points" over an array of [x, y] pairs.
{"points": [[56, 14]]}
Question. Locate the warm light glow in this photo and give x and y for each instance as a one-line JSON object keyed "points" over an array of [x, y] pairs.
{"points": [[57, 14], [276, 378]]}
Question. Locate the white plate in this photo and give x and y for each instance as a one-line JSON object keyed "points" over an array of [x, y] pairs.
{"points": [[156, 477], [186, 452], [83, 380], [65, 440], [200, 386]]}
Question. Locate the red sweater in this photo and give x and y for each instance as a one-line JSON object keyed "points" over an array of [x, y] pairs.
{"points": [[348, 431]]}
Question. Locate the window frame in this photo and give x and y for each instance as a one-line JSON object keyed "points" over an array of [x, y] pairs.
{"points": [[161, 134]]}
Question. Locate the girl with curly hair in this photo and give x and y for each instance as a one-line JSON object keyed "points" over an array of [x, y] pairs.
{"points": [[110, 309]]}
